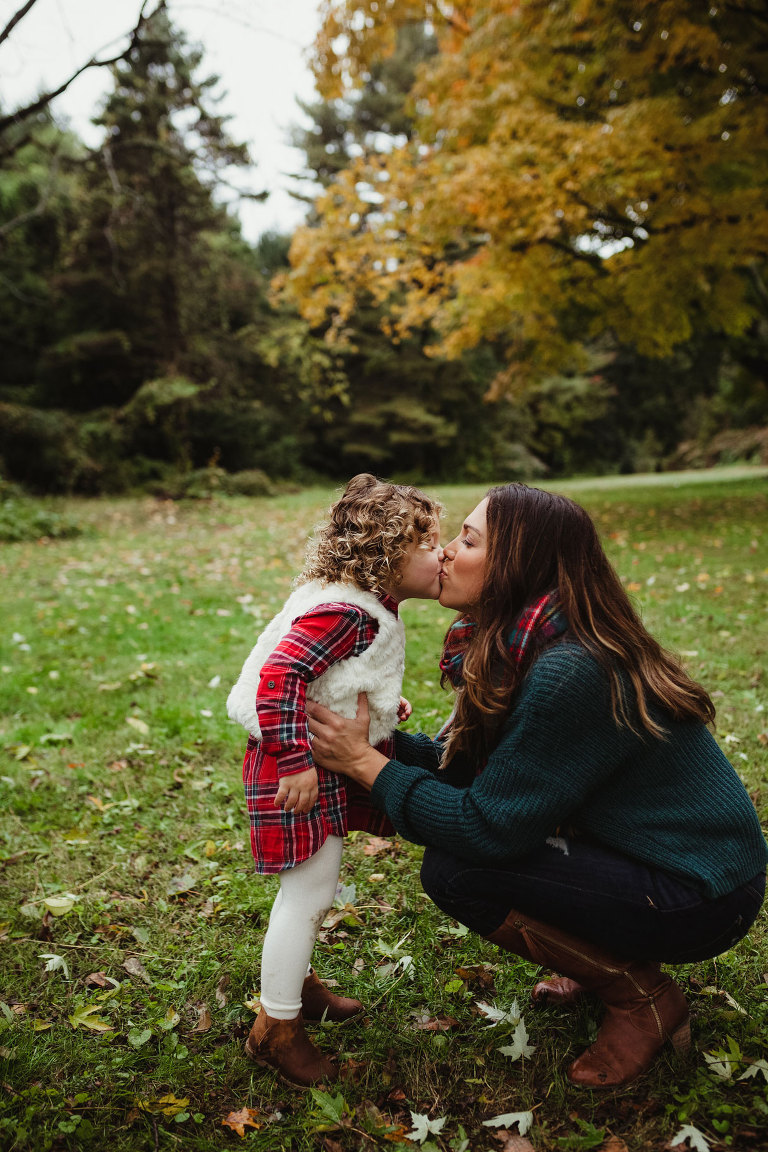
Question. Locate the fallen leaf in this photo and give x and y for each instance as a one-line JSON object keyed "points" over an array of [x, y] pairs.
{"points": [[138, 724], [613, 1144], [85, 1017], [99, 804], [434, 1024], [181, 884], [511, 1142], [696, 1139], [41, 1025], [424, 1127], [203, 1019], [519, 1046], [237, 1120], [221, 999], [376, 844], [168, 1105], [60, 905], [97, 979], [134, 967], [55, 963], [346, 915], [523, 1120]]}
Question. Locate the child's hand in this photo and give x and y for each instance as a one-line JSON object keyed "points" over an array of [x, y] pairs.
{"points": [[404, 710], [297, 793]]}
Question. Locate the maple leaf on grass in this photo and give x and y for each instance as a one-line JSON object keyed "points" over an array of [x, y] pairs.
{"points": [[523, 1120], [238, 1120], [695, 1139], [85, 1017], [519, 1046], [424, 1127]]}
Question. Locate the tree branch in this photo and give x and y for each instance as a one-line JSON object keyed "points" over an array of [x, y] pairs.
{"points": [[15, 19], [45, 99]]}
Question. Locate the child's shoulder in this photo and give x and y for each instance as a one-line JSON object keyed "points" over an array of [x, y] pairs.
{"points": [[339, 608]]}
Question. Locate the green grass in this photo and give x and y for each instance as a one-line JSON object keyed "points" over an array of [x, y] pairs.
{"points": [[120, 786]]}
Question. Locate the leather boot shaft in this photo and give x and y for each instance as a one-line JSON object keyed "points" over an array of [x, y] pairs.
{"points": [[644, 1007]]}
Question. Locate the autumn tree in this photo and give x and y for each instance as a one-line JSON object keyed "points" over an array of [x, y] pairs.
{"points": [[578, 169]]}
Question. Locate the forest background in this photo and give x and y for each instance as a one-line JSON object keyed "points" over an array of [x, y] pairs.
{"points": [[538, 248]]}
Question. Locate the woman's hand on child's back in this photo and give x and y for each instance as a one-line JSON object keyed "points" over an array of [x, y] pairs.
{"points": [[297, 793]]}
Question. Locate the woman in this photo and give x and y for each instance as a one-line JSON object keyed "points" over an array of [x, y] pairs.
{"points": [[576, 809]]}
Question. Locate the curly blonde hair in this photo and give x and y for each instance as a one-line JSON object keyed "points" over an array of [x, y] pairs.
{"points": [[370, 529]]}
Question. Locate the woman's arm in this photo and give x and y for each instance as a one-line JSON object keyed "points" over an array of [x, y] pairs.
{"points": [[559, 745], [342, 745]]}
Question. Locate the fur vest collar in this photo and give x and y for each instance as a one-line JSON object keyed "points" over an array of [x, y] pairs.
{"points": [[378, 671]]}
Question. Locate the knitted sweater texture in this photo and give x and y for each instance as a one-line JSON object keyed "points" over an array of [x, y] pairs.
{"points": [[676, 804]]}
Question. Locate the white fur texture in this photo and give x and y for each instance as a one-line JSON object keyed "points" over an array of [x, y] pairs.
{"points": [[378, 671]]}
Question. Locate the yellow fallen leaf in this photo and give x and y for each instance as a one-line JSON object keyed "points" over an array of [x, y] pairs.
{"points": [[84, 1017], [168, 1105], [138, 724], [41, 1025]]}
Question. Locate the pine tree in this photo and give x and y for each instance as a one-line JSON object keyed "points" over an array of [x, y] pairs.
{"points": [[136, 294]]}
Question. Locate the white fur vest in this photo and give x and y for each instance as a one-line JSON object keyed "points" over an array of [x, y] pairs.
{"points": [[378, 671]]}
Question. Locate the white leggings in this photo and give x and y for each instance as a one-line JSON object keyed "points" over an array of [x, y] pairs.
{"points": [[306, 893]]}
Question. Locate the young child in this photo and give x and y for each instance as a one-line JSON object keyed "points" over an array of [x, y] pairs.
{"points": [[338, 634]]}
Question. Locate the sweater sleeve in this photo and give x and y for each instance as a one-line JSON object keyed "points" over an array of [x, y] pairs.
{"points": [[560, 742]]}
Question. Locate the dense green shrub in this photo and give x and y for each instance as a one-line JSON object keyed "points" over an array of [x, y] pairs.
{"points": [[25, 519]]}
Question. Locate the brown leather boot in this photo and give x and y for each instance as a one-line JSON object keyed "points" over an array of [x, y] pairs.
{"points": [[284, 1045], [318, 1001], [644, 1007], [558, 990]]}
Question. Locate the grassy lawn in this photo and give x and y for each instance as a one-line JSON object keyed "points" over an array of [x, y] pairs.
{"points": [[131, 919]]}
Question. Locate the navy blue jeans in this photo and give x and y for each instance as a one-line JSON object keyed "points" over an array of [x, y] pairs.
{"points": [[632, 910]]}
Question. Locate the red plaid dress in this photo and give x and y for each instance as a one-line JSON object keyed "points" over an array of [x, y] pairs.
{"points": [[322, 637]]}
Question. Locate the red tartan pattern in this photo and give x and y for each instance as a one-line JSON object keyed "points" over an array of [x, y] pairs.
{"points": [[280, 840]]}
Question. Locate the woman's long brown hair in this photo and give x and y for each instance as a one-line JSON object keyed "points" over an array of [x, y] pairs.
{"points": [[539, 541]]}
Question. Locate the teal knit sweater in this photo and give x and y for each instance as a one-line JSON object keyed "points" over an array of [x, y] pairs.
{"points": [[674, 803]]}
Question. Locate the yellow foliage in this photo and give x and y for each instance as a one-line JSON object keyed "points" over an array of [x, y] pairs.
{"points": [[583, 156]]}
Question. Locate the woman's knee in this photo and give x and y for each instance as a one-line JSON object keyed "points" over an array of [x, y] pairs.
{"points": [[438, 872]]}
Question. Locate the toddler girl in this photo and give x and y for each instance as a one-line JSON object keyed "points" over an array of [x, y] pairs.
{"points": [[338, 634]]}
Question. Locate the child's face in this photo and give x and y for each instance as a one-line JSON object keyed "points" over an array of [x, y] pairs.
{"points": [[420, 570]]}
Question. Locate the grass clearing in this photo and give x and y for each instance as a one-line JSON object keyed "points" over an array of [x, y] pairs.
{"points": [[131, 919]]}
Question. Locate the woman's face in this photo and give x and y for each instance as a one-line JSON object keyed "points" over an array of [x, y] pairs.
{"points": [[461, 578]]}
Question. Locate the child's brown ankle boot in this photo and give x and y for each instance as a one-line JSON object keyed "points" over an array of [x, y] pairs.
{"points": [[318, 1001], [284, 1045]]}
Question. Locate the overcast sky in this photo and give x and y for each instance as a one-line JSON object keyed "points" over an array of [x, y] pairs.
{"points": [[257, 47]]}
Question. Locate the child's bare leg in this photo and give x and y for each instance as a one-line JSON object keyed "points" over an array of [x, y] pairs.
{"points": [[306, 893]]}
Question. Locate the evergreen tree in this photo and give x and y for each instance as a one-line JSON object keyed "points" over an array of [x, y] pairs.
{"points": [[136, 291]]}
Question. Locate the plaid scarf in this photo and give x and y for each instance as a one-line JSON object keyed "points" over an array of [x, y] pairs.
{"points": [[542, 620]]}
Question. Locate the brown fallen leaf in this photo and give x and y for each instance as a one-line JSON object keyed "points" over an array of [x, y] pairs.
{"points": [[613, 1144], [203, 1019], [221, 999], [347, 914], [513, 1142], [434, 1024], [96, 979], [134, 967], [376, 844], [237, 1120]]}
